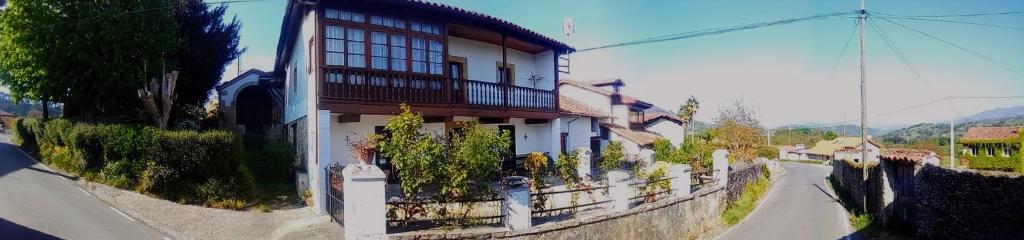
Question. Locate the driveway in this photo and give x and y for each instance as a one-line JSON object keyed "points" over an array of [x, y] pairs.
{"points": [[36, 203], [800, 206]]}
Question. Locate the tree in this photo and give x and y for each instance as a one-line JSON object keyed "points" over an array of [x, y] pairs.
{"points": [[611, 157], [84, 54], [738, 130], [687, 111], [208, 44], [165, 90], [830, 135]]}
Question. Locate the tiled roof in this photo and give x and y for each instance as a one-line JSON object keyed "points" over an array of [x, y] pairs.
{"points": [[489, 18], [655, 113], [827, 147], [625, 99], [6, 114], [991, 133], [907, 156], [641, 138], [572, 106]]}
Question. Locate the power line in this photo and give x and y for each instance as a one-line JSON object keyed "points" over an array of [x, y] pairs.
{"points": [[952, 15], [972, 52], [916, 106], [160, 8], [899, 54], [845, 46], [714, 31], [960, 22]]}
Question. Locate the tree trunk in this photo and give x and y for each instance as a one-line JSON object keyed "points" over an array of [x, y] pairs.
{"points": [[46, 108]]}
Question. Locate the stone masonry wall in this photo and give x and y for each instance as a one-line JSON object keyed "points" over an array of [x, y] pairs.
{"points": [[851, 183], [739, 177], [968, 204]]}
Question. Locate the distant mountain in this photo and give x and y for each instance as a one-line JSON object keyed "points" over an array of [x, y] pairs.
{"points": [[927, 131], [841, 130], [997, 113]]}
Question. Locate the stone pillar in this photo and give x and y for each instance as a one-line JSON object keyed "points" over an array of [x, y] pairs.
{"points": [[555, 149], [365, 208], [583, 169], [720, 166], [618, 189], [680, 174], [516, 208], [322, 160]]}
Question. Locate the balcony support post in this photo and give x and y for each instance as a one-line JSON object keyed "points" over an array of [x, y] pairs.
{"points": [[504, 71]]}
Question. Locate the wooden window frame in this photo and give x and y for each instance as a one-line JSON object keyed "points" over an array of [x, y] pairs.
{"points": [[407, 32], [464, 73], [512, 76]]}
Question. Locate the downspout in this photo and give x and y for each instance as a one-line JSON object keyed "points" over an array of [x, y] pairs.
{"points": [[569, 125]]}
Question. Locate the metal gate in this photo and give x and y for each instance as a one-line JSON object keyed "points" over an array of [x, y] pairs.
{"points": [[335, 193]]}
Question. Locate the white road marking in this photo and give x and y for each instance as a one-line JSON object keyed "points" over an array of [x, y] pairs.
{"points": [[85, 192], [122, 214]]}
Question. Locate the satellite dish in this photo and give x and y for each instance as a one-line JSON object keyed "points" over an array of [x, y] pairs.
{"points": [[568, 26]]}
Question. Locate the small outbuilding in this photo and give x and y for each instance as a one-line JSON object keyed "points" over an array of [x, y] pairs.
{"points": [[251, 104]]}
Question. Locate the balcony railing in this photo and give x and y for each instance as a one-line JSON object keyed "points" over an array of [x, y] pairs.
{"points": [[353, 84]]}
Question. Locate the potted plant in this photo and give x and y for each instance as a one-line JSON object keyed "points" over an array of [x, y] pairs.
{"points": [[363, 149]]}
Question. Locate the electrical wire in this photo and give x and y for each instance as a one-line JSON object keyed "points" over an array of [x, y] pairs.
{"points": [[952, 15], [998, 62], [960, 22], [161, 8], [845, 46], [720, 30], [899, 54]]}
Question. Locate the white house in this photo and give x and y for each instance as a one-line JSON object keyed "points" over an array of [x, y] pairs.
{"points": [[843, 148], [348, 65], [632, 121], [798, 152]]}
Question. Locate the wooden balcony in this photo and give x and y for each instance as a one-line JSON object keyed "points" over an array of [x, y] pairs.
{"points": [[379, 92]]}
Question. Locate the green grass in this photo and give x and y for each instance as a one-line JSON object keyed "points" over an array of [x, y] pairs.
{"points": [[747, 201]]}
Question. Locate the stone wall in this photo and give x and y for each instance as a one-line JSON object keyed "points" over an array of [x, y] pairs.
{"points": [[850, 178], [739, 176], [297, 139], [672, 218], [969, 204]]}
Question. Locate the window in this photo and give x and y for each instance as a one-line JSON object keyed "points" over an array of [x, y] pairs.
{"points": [[424, 28], [335, 46], [503, 75], [974, 151], [356, 48], [398, 53], [594, 125], [1006, 152], [436, 50], [343, 15], [419, 55], [636, 115], [990, 151], [379, 49]]}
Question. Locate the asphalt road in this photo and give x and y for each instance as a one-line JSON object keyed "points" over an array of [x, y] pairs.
{"points": [[36, 203], [800, 206]]}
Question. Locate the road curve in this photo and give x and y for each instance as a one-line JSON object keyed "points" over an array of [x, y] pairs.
{"points": [[36, 203], [800, 206]]}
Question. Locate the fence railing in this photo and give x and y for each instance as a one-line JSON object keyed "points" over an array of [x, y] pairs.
{"points": [[554, 203], [650, 191], [425, 214], [335, 193], [359, 84]]}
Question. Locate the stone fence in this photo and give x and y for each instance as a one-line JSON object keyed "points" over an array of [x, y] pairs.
{"points": [[740, 175], [938, 202], [681, 213]]}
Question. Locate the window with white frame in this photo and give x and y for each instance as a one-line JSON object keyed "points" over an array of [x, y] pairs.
{"points": [[394, 44], [419, 55], [356, 47], [344, 15], [398, 53], [974, 151], [991, 151], [1006, 152], [335, 46], [379, 50]]}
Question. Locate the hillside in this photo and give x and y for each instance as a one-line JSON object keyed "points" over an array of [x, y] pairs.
{"points": [[929, 131], [997, 113]]}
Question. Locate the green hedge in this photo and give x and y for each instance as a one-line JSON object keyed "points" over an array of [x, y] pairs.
{"points": [[171, 164]]}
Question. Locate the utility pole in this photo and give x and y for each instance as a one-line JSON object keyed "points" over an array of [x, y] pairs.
{"points": [[863, 108], [952, 144]]}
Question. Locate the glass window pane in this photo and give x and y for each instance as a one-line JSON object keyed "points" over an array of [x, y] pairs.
{"points": [[356, 17], [435, 57], [335, 59], [335, 45], [331, 13], [399, 24], [435, 68], [398, 40], [379, 63], [375, 20], [356, 35], [390, 22], [379, 50], [419, 55], [398, 52], [398, 64], [420, 67], [335, 32], [356, 60], [418, 43], [347, 16], [435, 45], [356, 47]]}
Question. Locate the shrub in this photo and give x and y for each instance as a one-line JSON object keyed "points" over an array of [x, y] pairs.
{"points": [[62, 158], [768, 152], [119, 174], [188, 158], [413, 153], [273, 161], [611, 157], [56, 131], [26, 132], [87, 141], [664, 151], [537, 164], [475, 160], [567, 167]]}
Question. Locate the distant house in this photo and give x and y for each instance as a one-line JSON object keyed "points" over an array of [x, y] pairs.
{"points": [[7, 120], [789, 152], [843, 148], [252, 103], [910, 156], [993, 148], [632, 121]]}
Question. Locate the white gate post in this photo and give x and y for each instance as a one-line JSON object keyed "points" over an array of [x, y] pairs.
{"points": [[680, 174], [720, 165], [365, 207], [618, 189], [516, 208], [583, 169]]}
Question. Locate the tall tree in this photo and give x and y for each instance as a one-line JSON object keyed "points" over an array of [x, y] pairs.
{"points": [[89, 55], [686, 112], [738, 130], [208, 44]]}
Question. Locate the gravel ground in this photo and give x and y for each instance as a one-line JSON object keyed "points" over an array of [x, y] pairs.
{"points": [[196, 222]]}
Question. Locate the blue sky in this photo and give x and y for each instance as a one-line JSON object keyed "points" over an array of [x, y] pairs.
{"points": [[785, 72]]}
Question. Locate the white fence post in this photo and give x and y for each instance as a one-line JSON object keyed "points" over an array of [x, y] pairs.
{"points": [[720, 165], [583, 169], [516, 208], [365, 207], [618, 189], [680, 174]]}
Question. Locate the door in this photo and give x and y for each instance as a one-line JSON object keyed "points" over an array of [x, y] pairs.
{"points": [[457, 70], [565, 147]]}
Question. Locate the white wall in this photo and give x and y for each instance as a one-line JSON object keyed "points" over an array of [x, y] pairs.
{"points": [[620, 113], [668, 129], [297, 82], [229, 93], [578, 128], [590, 98], [482, 59]]}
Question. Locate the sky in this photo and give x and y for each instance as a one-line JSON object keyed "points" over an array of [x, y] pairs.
{"points": [[784, 72]]}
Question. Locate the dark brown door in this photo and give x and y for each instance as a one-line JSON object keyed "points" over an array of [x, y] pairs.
{"points": [[565, 137]]}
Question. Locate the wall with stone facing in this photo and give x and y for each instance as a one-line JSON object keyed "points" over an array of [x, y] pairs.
{"points": [[671, 218], [850, 178], [739, 176], [969, 204]]}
